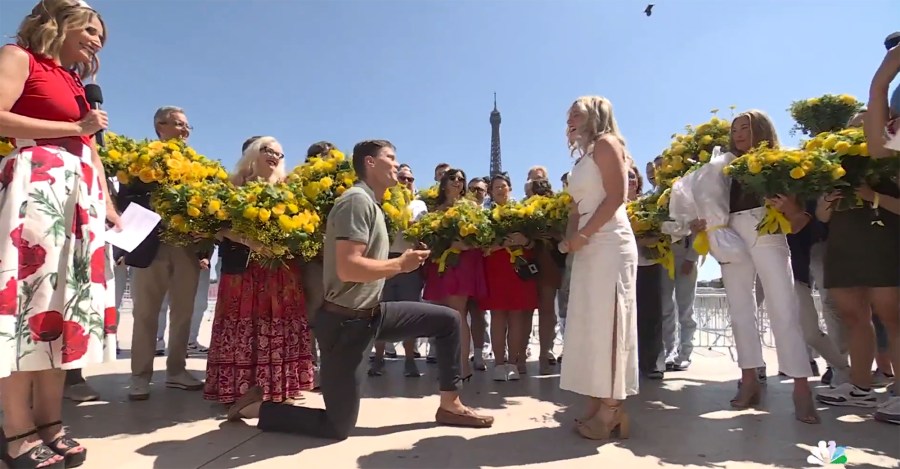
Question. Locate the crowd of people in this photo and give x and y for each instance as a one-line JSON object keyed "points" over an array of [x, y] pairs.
{"points": [[281, 330]]}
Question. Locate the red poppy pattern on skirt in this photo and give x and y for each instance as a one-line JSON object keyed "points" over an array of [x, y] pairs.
{"points": [[56, 292]]}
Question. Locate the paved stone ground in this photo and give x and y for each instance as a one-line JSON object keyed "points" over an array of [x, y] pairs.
{"points": [[683, 421]]}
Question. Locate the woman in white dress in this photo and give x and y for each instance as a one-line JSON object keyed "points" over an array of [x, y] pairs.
{"points": [[601, 325]]}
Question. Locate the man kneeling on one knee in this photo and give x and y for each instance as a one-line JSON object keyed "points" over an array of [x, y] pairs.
{"points": [[352, 316]]}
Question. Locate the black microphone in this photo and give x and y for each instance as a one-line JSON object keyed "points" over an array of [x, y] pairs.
{"points": [[95, 99]]}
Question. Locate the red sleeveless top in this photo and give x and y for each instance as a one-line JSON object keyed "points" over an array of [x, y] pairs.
{"points": [[55, 94]]}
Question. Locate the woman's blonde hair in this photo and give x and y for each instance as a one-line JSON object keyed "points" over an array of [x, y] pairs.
{"points": [[246, 165], [44, 30], [761, 130], [599, 120]]}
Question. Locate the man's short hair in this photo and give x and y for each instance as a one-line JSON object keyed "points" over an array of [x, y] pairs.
{"points": [[564, 178], [162, 113], [319, 148], [441, 165], [404, 165], [367, 148]]}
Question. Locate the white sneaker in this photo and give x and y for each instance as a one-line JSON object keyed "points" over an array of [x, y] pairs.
{"points": [[889, 411], [839, 377], [881, 380], [847, 395], [185, 381], [512, 374], [139, 390]]}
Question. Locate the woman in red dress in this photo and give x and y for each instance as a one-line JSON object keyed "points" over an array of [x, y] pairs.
{"points": [[54, 313], [260, 334], [510, 299]]}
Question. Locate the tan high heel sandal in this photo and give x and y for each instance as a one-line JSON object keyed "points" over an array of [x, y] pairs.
{"points": [[611, 421], [747, 396]]}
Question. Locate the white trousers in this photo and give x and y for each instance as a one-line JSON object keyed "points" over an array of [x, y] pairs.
{"points": [[771, 261]]}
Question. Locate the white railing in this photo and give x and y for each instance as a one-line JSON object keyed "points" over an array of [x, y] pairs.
{"points": [[710, 313]]}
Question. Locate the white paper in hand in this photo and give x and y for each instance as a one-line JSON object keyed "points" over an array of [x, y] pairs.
{"points": [[137, 223]]}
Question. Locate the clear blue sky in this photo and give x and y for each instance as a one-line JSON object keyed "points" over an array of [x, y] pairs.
{"points": [[422, 73]]}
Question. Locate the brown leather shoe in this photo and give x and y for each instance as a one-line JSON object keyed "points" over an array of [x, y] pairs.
{"points": [[470, 419]]}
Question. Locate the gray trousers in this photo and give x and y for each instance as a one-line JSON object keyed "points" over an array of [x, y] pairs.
{"points": [[678, 322]]}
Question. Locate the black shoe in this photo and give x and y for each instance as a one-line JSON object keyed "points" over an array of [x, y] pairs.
{"points": [[32, 458], [815, 367], [670, 366], [828, 376]]}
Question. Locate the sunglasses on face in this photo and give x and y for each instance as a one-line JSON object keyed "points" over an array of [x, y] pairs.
{"points": [[456, 179], [632, 177], [406, 179], [480, 190], [270, 152]]}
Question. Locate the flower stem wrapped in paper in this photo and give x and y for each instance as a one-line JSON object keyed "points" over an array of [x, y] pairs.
{"points": [[647, 214], [826, 113], [118, 154], [464, 222], [171, 162], [429, 196], [192, 212], [395, 206], [690, 150], [6, 147], [320, 181], [704, 194], [275, 218], [770, 172]]}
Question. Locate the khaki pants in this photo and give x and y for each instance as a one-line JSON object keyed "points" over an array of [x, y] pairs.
{"points": [[149, 286]]}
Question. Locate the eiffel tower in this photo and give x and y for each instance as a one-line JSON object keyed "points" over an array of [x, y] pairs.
{"points": [[496, 164]]}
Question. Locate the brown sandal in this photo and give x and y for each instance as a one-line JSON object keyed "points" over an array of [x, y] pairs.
{"points": [[469, 419], [252, 396]]}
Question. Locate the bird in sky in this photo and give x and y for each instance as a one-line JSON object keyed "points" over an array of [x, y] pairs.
{"points": [[649, 10]]}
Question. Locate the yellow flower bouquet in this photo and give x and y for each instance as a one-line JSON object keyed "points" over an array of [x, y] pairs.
{"points": [[768, 172], [849, 148], [193, 211], [6, 147], [319, 182], [118, 154], [171, 162], [826, 113], [439, 231], [692, 149], [646, 214], [272, 215], [395, 206], [536, 217], [429, 196]]}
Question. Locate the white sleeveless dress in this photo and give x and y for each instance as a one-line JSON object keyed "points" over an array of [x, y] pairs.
{"points": [[602, 316]]}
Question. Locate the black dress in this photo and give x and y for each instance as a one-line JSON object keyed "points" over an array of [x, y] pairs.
{"points": [[859, 253]]}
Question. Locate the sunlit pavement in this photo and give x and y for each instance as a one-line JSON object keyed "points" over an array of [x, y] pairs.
{"points": [[684, 420]]}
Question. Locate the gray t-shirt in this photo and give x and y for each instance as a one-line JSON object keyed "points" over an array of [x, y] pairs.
{"points": [[357, 217]]}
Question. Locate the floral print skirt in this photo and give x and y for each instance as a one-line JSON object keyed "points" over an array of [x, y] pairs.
{"points": [[260, 336], [56, 296]]}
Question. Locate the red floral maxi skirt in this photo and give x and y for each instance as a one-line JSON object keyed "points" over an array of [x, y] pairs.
{"points": [[260, 336], [56, 308]]}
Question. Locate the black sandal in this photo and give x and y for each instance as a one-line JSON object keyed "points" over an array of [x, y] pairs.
{"points": [[31, 459], [63, 446]]}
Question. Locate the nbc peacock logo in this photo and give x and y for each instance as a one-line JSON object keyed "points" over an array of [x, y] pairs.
{"points": [[826, 454]]}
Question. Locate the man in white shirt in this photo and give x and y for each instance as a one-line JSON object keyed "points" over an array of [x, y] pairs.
{"points": [[402, 287]]}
